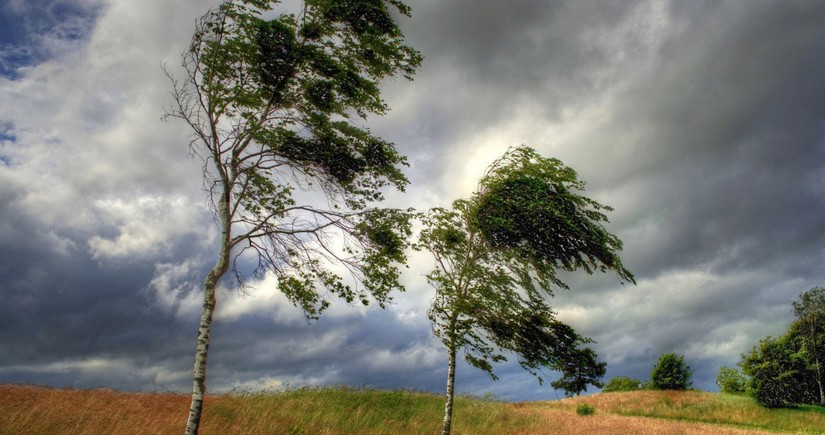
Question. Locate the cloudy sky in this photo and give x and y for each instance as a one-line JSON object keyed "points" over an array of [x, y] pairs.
{"points": [[702, 123]]}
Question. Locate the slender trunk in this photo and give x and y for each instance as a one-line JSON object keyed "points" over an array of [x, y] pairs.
{"points": [[819, 383], [448, 407], [815, 350], [199, 373], [210, 285]]}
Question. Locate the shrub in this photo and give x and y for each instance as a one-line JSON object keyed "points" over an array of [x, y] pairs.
{"points": [[730, 380], [585, 409], [622, 383], [671, 373]]}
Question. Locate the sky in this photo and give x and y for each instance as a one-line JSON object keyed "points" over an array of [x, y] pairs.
{"points": [[702, 123]]}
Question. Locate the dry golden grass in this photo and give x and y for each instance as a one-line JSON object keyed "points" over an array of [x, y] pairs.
{"points": [[560, 417], [38, 410], [51, 411]]}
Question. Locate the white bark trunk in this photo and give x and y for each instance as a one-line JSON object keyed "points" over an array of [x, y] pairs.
{"points": [[199, 372], [448, 407], [210, 285]]}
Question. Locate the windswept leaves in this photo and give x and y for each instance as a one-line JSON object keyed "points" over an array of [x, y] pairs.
{"points": [[270, 101], [496, 257], [527, 203]]}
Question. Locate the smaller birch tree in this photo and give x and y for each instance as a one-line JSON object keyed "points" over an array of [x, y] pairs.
{"points": [[496, 258]]}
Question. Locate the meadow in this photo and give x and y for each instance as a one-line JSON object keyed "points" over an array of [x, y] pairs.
{"points": [[342, 410]]}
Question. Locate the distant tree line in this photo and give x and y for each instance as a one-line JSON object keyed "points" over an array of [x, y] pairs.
{"points": [[670, 373]]}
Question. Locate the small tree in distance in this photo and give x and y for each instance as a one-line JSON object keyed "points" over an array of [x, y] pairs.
{"points": [[622, 383], [671, 373], [731, 380], [580, 370]]}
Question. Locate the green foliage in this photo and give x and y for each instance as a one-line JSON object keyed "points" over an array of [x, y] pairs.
{"points": [[490, 293], [779, 376], [787, 371], [731, 380], [671, 373], [622, 383], [276, 107], [579, 370], [810, 330], [528, 203], [585, 409]]}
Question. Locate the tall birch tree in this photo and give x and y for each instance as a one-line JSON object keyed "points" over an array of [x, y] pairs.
{"points": [[496, 260], [276, 107]]}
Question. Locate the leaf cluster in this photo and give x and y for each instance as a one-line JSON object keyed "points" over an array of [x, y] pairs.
{"points": [[528, 203]]}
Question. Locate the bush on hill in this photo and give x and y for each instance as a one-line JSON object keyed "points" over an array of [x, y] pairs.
{"points": [[622, 383], [730, 380], [671, 373]]}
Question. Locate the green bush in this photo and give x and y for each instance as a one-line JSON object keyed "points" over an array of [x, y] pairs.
{"points": [[585, 409], [730, 380], [671, 373], [779, 377], [622, 383]]}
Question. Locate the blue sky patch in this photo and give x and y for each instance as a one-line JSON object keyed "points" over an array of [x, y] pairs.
{"points": [[26, 28]]}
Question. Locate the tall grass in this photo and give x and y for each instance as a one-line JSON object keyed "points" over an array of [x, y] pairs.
{"points": [[35, 410]]}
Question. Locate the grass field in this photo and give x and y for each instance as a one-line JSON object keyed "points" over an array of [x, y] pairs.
{"points": [[37, 410]]}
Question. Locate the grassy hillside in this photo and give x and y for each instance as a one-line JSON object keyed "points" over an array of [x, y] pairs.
{"points": [[26, 409], [685, 412]]}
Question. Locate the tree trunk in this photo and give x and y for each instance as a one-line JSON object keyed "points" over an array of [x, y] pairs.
{"points": [[448, 407], [815, 350], [210, 285], [819, 383], [199, 373]]}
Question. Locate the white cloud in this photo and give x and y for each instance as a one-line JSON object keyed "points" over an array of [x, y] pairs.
{"points": [[261, 297], [176, 289], [419, 356], [146, 225], [88, 365]]}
